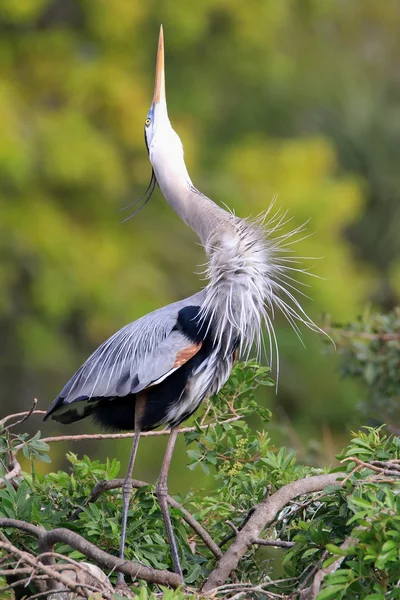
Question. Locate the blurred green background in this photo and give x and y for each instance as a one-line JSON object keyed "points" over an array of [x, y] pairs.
{"points": [[298, 98]]}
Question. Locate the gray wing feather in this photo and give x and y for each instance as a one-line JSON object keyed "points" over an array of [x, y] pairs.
{"points": [[133, 358]]}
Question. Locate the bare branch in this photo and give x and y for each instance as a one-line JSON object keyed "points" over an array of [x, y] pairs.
{"points": [[257, 589], [264, 514]]}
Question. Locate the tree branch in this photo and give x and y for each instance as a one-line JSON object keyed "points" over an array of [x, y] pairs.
{"points": [[264, 514], [33, 530], [132, 568], [16, 471], [47, 539]]}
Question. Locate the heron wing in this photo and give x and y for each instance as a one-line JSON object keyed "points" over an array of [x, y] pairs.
{"points": [[139, 355]]}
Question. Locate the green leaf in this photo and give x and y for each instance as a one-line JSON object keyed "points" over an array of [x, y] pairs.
{"points": [[361, 502], [336, 550], [390, 545], [330, 592]]}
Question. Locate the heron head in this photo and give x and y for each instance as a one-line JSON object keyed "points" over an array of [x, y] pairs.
{"points": [[163, 143], [157, 117]]}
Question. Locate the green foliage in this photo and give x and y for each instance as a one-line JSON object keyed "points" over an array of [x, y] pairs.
{"points": [[32, 447], [365, 511], [144, 593], [364, 508]]}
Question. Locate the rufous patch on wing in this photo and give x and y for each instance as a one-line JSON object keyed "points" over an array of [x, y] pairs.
{"points": [[186, 354]]}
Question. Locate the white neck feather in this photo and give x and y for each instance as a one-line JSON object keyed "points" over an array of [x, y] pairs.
{"points": [[238, 283], [250, 275]]}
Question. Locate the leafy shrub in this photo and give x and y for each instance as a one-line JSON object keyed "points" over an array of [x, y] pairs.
{"points": [[353, 525]]}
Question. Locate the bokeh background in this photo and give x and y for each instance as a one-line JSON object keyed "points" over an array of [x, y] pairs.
{"points": [[295, 98]]}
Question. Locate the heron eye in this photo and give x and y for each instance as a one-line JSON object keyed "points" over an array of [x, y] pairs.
{"points": [[147, 121]]}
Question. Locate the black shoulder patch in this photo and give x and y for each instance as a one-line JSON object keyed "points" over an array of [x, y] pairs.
{"points": [[188, 323]]}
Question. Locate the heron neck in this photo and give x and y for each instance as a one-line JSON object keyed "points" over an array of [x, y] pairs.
{"points": [[199, 212]]}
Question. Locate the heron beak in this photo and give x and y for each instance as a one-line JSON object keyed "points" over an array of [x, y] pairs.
{"points": [[159, 88]]}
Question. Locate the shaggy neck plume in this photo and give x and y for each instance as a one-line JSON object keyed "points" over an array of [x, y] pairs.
{"points": [[237, 288]]}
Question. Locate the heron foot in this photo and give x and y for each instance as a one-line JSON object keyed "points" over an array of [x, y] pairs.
{"points": [[122, 589]]}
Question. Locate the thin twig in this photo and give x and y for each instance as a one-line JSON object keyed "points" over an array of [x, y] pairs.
{"points": [[121, 436], [256, 590], [21, 414], [393, 463], [230, 536], [249, 587], [276, 543], [233, 527], [384, 337], [24, 582], [15, 572], [40, 594], [386, 470], [24, 417], [260, 541]]}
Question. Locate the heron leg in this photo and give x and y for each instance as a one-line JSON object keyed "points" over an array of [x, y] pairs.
{"points": [[126, 496], [162, 495]]}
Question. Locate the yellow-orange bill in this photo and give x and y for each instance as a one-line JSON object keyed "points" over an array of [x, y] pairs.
{"points": [[159, 88]]}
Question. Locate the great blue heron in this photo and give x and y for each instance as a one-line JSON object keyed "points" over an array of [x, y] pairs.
{"points": [[158, 369]]}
